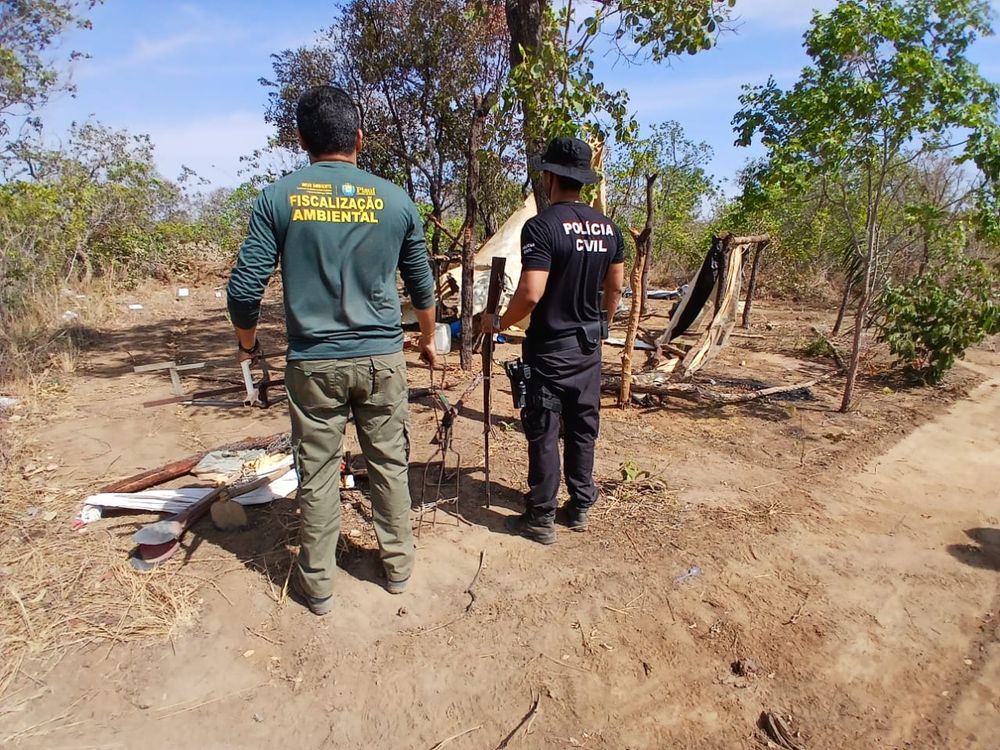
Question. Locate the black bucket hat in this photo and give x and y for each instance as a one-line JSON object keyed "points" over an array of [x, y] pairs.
{"points": [[569, 157]]}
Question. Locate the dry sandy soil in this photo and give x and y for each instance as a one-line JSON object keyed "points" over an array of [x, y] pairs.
{"points": [[850, 562]]}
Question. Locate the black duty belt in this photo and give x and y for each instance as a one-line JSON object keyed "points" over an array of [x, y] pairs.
{"points": [[586, 338]]}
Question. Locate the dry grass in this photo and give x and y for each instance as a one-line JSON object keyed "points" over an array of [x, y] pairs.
{"points": [[41, 335], [638, 503], [61, 591]]}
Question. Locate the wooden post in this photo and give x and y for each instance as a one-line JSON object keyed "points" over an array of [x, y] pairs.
{"points": [[643, 242], [481, 108], [723, 260], [752, 285], [497, 270]]}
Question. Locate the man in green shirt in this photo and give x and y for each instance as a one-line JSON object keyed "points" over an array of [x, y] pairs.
{"points": [[340, 235]]}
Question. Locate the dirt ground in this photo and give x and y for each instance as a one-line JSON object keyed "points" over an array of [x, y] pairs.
{"points": [[848, 572]]}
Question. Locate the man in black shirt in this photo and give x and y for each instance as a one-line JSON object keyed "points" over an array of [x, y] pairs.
{"points": [[572, 272]]}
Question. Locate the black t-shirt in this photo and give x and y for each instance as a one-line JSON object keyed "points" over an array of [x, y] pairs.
{"points": [[576, 244]]}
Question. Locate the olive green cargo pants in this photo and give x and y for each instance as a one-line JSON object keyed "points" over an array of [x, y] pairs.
{"points": [[321, 394]]}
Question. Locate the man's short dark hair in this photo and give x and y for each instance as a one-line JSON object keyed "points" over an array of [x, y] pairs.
{"points": [[328, 120], [567, 184]]}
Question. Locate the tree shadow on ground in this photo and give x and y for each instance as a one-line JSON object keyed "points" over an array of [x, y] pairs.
{"points": [[184, 340], [985, 553]]}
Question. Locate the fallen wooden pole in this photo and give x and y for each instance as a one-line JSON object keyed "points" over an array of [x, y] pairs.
{"points": [[696, 393], [146, 479]]}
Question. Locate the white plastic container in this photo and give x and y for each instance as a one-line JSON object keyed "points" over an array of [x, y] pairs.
{"points": [[442, 338]]}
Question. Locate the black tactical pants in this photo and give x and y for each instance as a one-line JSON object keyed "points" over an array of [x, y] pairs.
{"points": [[564, 384]]}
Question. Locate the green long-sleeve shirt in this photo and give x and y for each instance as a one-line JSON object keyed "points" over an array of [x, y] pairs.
{"points": [[340, 234]]}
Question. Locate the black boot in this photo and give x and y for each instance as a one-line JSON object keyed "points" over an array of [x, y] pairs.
{"points": [[574, 517], [537, 529]]}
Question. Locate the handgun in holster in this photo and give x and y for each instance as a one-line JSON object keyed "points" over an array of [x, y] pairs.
{"points": [[519, 374]]}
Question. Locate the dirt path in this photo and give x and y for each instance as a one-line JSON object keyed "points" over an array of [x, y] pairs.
{"points": [[912, 580], [852, 560]]}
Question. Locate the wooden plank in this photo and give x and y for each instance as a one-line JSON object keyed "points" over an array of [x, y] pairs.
{"points": [[153, 367]]}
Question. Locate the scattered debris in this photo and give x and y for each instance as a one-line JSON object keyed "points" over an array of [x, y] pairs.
{"points": [[667, 293], [7, 402], [745, 667], [159, 541], [183, 292], [229, 516], [777, 729], [445, 742], [639, 344], [135, 306], [525, 723], [146, 479], [693, 572], [69, 316], [87, 514], [174, 501]]}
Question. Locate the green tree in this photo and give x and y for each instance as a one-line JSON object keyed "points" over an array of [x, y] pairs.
{"points": [[931, 319], [28, 28], [88, 209], [552, 68], [681, 188], [415, 82], [889, 81]]}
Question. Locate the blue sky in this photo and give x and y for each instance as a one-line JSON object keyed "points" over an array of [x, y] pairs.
{"points": [[186, 73]]}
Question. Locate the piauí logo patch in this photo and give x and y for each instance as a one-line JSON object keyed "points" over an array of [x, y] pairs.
{"points": [[348, 190]]}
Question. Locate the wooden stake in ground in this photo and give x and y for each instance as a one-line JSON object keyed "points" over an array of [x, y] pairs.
{"points": [[643, 243], [497, 270], [752, 285], [481, 108]]}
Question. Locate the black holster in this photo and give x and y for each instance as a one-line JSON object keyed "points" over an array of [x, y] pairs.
{"points": [[518, 373]]}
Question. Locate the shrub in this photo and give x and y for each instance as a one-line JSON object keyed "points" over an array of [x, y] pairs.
{"points": [[929, 321]]}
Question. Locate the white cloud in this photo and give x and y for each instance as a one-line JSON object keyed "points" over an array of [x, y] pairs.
{"points": [[211, 146], [780, 13], [146, 50]]}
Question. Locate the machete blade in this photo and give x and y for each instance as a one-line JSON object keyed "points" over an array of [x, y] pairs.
{"points": [[161, 532]]}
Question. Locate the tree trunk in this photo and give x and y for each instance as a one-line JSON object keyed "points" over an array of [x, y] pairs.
{"points": [[643, 242], [524, 21], [481, 108], [644, 282], [436, 231], [871, 258], [752, 284], [848, 286]]}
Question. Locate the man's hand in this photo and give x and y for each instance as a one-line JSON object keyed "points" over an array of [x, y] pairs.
{"points": [[428, 352], [253, 355], [489, 323]]}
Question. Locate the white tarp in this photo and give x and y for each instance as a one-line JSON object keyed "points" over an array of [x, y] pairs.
{"points": [[506, 243]]}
